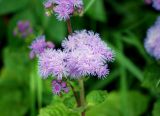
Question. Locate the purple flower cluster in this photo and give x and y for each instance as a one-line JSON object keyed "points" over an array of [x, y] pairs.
{"points": [[53, 62], [23, 29], [84, 53], [39, 45], [156, 4], [59, 87], [87, 54], [152, 41], [63, 8]]}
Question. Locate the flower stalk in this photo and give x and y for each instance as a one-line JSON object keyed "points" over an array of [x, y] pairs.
{"points": [[69, 26], [82, 94]]}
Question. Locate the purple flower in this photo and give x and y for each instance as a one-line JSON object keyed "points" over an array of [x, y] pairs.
{"points": [[23, 29], [59, 87], [53, 62], [84, 53], [156, 4], [152, 41], [63, 9], [39, 45], [87, 54]]}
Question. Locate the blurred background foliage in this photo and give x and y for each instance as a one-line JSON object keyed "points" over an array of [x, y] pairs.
{"points": [[131, 89]]}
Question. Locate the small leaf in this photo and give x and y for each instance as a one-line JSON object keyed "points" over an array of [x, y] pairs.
{"points": [[96, 97]]}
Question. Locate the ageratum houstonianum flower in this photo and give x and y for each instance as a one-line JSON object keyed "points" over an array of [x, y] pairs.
{"points": [[39, 45], [152, 41], [53, 62], [23, 29], [156, 4], [63, 9], [87, 54], [59, 87], [84, 54]]}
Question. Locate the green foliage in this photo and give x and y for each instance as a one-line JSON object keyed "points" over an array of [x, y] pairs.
{"points": [[152, 77], [10, 6], [58, 109], [156, 110], [56, 30], [112, 105], [96, 97], [96, 9]]}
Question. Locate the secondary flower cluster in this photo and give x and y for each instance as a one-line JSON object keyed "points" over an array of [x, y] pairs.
{"points": [[63, 8], [39, 45], [58, 87], [84, 53], [155, 3], [23, 29], [152, 41]]}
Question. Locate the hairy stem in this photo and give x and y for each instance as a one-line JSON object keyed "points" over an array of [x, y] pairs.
{"points": [[82, 95], [69, 26], [76, 96]]}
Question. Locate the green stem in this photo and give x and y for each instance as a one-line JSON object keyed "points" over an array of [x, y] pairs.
{"points": [[82, 95], [75, 95]]}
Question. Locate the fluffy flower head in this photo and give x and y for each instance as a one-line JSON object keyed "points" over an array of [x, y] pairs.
{"points": [[88, 54], [53, 62], [156, 4], [152, 41]]}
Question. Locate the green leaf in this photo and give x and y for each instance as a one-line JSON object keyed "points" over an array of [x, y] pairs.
{"points": [[151, 78], [96, 97], [112, 105], [58, 109], [156, 110], [10, 6], [96, 10]]}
